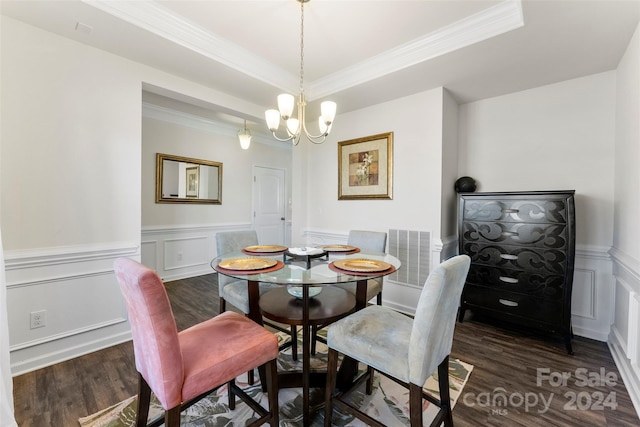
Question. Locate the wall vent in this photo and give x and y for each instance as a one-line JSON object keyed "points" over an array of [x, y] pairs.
{"points": [[413, 249]]}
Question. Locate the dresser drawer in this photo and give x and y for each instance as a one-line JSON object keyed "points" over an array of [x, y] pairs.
{"points": [[516, 210], [515, 234], [525, 307], [541, 260], [543, 286]]}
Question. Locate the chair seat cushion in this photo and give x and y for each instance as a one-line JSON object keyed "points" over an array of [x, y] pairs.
{"points": [[376, 336], [374, 287], [220, 349], [236, 293]]}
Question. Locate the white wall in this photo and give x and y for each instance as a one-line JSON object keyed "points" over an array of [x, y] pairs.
{"points": [[449, 222], [71, 187], [417, 125], [624, 340], [556, 137], [178, 240]]}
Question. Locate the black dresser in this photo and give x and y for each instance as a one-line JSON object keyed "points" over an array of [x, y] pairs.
{"points": [[522, 249]]}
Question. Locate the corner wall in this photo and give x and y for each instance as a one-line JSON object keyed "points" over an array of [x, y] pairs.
{"points": [[555, 137], [417, 125], [624, 339]]}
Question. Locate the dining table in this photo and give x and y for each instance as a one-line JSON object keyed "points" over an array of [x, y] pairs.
{"points": [[306, 271]]}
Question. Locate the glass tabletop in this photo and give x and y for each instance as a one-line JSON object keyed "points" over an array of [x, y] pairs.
{"points": [[295, 272]]}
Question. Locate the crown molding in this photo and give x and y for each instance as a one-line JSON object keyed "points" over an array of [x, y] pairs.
{"points": [[157, 19], [491, 22], [204, 124]]}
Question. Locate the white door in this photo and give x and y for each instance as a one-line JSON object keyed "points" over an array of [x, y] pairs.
{"points": [[269, 205]]}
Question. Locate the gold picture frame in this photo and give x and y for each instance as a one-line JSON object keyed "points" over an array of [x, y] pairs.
{"points": [[192, 181], [365, 168]]}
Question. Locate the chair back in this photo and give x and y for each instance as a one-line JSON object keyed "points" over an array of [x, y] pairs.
{"points": [[435, 318], [368, 240], [155, 335], [232, 241]]}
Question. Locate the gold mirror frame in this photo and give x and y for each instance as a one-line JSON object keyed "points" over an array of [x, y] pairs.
{"points": [[187, 180]]}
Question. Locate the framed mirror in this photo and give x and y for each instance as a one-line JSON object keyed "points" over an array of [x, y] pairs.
{"points": [[186, 180]]}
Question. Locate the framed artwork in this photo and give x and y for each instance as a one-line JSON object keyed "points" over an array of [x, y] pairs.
{"points": [[193, 176], [365, 168]]}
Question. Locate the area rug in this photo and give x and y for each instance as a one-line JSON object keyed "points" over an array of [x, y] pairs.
{"points": [[388, 403]]}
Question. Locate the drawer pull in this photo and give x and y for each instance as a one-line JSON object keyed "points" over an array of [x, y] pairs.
{"points": [[508, 302], [508, 256], [508, 279], [510, 210], [509, 233]]}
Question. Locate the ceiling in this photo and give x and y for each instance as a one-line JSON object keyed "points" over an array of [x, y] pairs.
{"points": [[356, 52]]}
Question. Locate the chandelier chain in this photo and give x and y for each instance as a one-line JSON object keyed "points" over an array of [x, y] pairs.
{"points": [[301, 46]]}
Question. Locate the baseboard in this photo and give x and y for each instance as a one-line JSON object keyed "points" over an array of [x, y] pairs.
{"points": [[628, 372], [33, 358], [590, 333]]}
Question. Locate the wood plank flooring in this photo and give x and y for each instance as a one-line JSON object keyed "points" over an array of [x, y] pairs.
{"points": [[506, 364]]}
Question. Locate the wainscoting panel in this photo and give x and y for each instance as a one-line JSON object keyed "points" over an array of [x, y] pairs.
{"points": [[76, 291], [592, 298], [185, 251], [624, 339]]}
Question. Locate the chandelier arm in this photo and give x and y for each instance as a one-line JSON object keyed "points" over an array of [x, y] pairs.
{"points": [[291, 137]]}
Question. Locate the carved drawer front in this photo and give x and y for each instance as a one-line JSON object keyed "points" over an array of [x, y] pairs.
{"points": [[540, 260], [522, 249], [516, 210], [518, 281], [540, 235], [526, 307]]}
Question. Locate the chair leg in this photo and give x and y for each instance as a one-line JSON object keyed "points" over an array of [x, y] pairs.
{"points": [[332, 374], [172, 417], [379, 298], [415, 405], [231, 395], [294, 342], [443, 385], [272, 390], [371, 373], [144, 397]]}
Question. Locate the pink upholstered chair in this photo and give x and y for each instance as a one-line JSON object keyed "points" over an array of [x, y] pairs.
{"points": [[181, 367]]}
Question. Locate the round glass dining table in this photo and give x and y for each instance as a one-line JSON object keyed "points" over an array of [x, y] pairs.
{"points": [[306, 273]]}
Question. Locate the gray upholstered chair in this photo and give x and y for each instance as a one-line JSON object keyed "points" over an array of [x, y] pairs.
{"points": [[368, 241], [234, 291], [375, 241], [407, 350]]}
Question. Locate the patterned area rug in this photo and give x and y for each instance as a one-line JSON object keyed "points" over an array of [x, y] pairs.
{"points": [[389, 401]]}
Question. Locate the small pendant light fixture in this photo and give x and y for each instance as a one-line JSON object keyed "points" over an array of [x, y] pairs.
{"points": [[244, 136], [296, 126]]}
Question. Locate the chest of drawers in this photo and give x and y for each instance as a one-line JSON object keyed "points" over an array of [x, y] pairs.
{"points": [[522, 249]]}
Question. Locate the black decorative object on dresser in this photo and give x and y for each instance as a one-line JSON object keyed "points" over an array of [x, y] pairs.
{"points": [[522, 249]]}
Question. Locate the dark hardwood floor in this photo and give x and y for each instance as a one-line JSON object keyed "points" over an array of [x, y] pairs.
{"points": [[506, 365]]}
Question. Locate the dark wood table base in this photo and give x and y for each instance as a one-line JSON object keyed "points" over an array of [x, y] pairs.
{"points": [[331, 304]]}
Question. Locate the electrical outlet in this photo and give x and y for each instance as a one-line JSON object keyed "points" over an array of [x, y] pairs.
{"points": [[38, 319]]}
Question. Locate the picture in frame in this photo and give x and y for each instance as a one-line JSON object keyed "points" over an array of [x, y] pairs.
{"points": [[365, 167], [192, 181]]}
